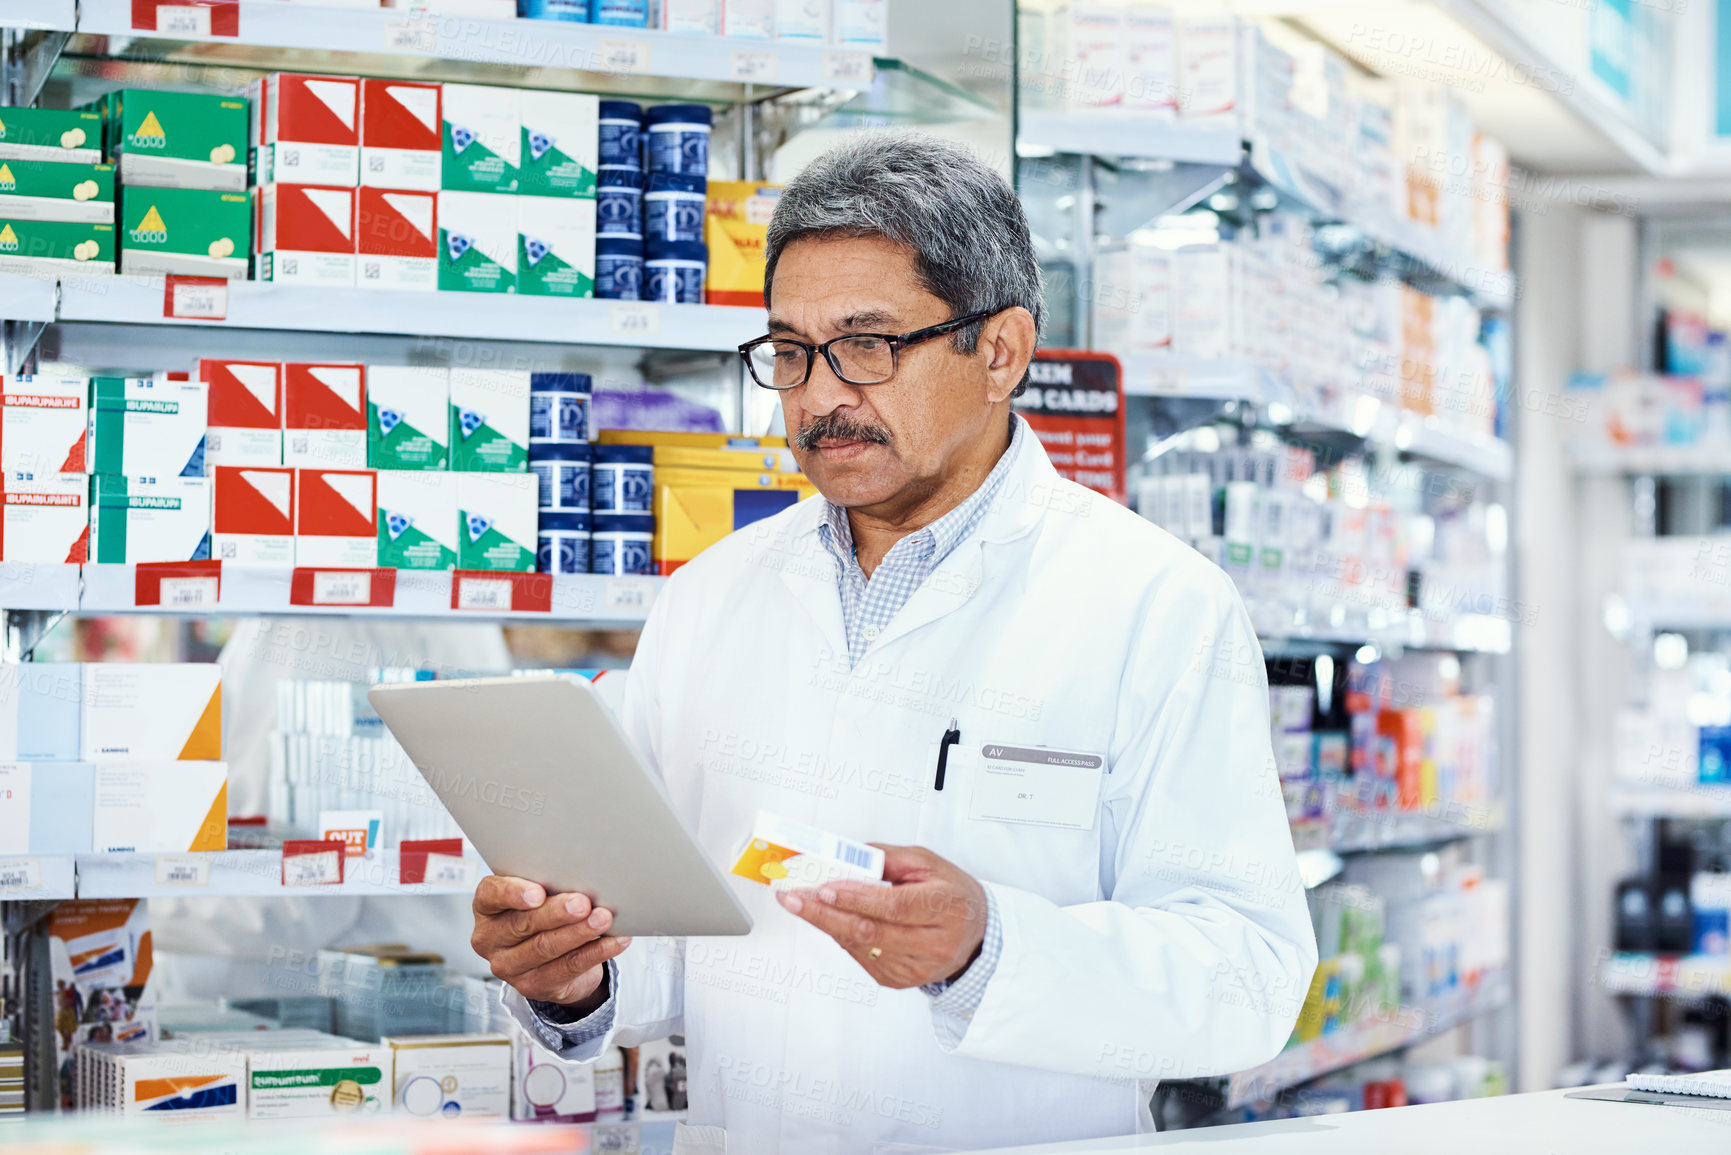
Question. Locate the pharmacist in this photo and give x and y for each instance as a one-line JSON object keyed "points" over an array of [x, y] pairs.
{"points": [[1103, 892]]}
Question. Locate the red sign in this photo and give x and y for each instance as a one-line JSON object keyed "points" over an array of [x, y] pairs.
{"points": [[187, 17], [1075, 404], [501, 592], [412, 857], [189, 585], [311, 586]]}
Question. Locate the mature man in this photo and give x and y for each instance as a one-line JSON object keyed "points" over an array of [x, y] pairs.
{"points": [[1050, 713]]}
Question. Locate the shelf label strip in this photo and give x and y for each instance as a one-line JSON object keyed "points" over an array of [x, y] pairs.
{"points": [[195, 299], [180, 585], [376, 588], [187, 17], [416, 855], [309, 863], [482, 591]]}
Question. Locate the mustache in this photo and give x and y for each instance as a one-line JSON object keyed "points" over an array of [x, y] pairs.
{"points": [[839, 427]]}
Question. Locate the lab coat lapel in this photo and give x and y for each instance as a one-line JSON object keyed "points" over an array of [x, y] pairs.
{"points": [[1015, 511], [809, 572]]}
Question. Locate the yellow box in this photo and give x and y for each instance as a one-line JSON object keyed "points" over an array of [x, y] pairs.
{"points": [[735, 229], [695, 508], [763, 459], [688, 440]]}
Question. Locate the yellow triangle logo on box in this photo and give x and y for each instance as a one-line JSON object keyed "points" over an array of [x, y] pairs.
{"points": [[6, 176], [153, 222], [2, 128], [150, 127], [7, 236]]}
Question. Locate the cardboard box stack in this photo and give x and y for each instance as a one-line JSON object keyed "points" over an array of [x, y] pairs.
{"points": [[56, 194], [112, 757]]}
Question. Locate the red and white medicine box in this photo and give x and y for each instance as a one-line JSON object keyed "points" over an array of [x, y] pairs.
{"points": [[337, 519], [325, 415], [44, 425], [397, 239], [44, 518], [309, 129], [306, 234], [253, 515], [245, 411], [400, 146]]}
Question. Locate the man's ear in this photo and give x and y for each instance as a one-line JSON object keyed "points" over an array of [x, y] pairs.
{"points": [[1008, 341]]}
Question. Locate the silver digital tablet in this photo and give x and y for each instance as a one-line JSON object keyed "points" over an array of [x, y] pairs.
{"points": [[545, 784]]}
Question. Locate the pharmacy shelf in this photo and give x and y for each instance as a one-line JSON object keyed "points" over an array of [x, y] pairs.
{"points": [[240, 874], [1353, 414], [1655, 459], [1116, 132], [256, 305], [1302, 1062], [49, 14], [28, 586], [32, 877], [517, 45], [1682, 611], [28, 298], [1668, 976], [567, 599], [1373, 831], [1675, 802], [1411, 629]]}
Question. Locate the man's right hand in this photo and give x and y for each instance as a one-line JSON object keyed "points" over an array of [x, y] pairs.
{"points": [[550, 949]]}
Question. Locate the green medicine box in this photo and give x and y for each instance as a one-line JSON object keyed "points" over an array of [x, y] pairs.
{"points": [[177, 139], [73, 136], [83, 248], [44, 190], [190, 232]]}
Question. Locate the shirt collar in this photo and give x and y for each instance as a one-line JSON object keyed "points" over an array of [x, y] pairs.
{"points": [[941, 537]]}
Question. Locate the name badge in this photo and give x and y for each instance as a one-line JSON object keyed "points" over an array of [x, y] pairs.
{"points": [[1038, 786]]}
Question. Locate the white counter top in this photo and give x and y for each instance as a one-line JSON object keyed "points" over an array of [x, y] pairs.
{"points": [[1539, 1124]]}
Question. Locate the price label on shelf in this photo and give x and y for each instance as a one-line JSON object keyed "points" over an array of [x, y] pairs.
{"points": [[628, 596], [319, 868], [183, 20], [188, 593], [847, 69], [182, 870], [20, 874], [196, 299], [342, 588], [623, 55], [484, 594], [634, 319], [420, 37], [755, 66], [449, 870]]}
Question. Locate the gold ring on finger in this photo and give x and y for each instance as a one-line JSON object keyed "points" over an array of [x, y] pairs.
{"points": [[875, 952]]}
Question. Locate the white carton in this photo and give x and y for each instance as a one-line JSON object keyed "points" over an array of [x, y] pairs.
{"points": [[482, 138], [408, 417], [467, 1075], [861, 23], [44, 424], [1150, 59], [316, 1079], [418, 519], [561, 143], [497, 522], [1207, 62], [160, 807], [477, 242], [184, 1084], [136, 520], [145, 427], [556, 247], [550, 1089], [489, 420], [308, 129], [39, 708], [748, 19], [153, 712], [802, 20], [45, 517], [45, 807], [699, 16], [305, 235], [1133, 298]]}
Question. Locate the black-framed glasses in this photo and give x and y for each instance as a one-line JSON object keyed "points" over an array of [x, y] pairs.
{"points": [[857, 358]]}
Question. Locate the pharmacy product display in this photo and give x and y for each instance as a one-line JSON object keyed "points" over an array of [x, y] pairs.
{"points": [[111, 758], [853, 23]]}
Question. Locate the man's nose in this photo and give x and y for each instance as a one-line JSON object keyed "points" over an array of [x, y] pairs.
{"points": [[824, 392]]}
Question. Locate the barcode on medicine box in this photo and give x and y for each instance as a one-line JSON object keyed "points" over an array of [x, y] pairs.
{"points": [[853, 854]]}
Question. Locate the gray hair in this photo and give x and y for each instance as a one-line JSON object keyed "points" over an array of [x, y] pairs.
{"points": [[963, 223]]}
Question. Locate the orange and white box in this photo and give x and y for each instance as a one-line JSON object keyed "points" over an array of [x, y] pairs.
{"points": [[397, 239], [325, 415], [309, 129], [306, 234], [160, 807], [151, 712], [337, 517], [252, 519], [44, 517], [245, 412], [44, 424], [400, 135]]}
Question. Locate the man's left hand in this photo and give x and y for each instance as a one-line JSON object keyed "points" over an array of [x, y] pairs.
{"points": [[925, 927]]}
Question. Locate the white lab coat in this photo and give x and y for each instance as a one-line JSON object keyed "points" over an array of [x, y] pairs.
{"points": [[1170, 940]]}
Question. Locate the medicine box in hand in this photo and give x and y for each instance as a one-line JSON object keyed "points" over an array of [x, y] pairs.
{"points": [[148, 427], [152, 711]]}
